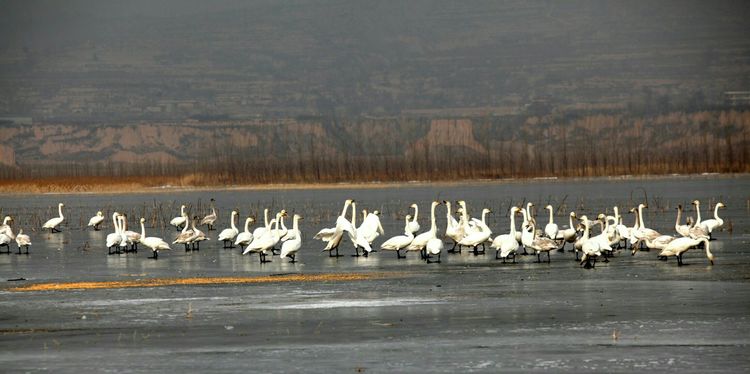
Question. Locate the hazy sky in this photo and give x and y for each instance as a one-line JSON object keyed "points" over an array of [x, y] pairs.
{"points": [[363, 57]]}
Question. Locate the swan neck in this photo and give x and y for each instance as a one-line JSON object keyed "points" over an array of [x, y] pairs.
{"points": [[513, 223], [143, 230], [265, 217], [570, 221], [247, 225], [551, 216], [640, 217], [354, 215], [234, 227], [416, 213], [585, 230], [698, 214], [59, 210], [433, 227]]}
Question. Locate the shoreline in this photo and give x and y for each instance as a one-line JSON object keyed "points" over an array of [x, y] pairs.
{"points": [[22, 188]]}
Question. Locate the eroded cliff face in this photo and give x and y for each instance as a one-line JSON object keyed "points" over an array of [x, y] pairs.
{"points": [[698, 138], [7, 155]]}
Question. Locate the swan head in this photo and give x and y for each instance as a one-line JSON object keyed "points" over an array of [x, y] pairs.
{"points": [[485, 211], [548, 207], [376, 212], [446, 202], [61, 205], [297, 217], [435, 203], [283, 213], [461, 203], [100, 214], [143, 220], [515, 210], [250, 219], [720, 205], [413, 206], [408, 217], [234, 213], [573, 214], [601, 217], [696, 202], [642, 205]]}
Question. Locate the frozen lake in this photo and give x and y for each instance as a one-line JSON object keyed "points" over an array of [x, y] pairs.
{"points": [[468, 313]]}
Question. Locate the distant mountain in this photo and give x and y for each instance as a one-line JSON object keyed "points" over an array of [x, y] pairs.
{"points": [[314, 150]]}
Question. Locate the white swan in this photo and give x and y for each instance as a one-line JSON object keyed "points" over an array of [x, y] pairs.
{"points": [[227, 235], [197, 237], [453, 230], [113, 239], [538, 244], [246, 237], [283, 230], [698, 231], [260, 231], [210, 219], [420, 241], [154, 243], [22, 240], [413, 226], [603, 238], [292, 246], [570, 234], [551, 228], [371, 228], [5, 241], [264, 244], [184, 236], [476, 238], [6, 229], [680, 245], [590, 248], [643, 232], [506, 245], [714, 223], [96, 220], [132, 237], [54, 222], [180, 220], [683, 230], [399, 242], [359, 240], [342, 225]]}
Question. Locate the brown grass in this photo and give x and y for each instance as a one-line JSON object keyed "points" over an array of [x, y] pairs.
{"points": [[164, 282]]}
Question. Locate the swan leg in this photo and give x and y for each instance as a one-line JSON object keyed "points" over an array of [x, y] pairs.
{"points": [[548, 258], [538, 258], [453, 249], [356, 251], [293, 258], [364, 253], [398, 254]]}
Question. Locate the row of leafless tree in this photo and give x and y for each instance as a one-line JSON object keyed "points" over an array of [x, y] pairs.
{"points": [[396, 150]]}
